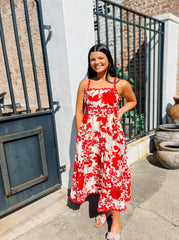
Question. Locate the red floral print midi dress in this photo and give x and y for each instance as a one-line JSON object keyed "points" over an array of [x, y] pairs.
{"points": [[101, 154]]}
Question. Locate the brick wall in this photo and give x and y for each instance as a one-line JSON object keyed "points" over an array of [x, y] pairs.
{"points": [[153, 7], [25, 52]]}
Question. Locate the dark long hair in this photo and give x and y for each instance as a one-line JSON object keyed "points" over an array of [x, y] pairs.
{"points": [[104, 49]]}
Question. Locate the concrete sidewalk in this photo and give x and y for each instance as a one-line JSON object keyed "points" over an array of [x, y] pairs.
{"points": [[152, 213]]}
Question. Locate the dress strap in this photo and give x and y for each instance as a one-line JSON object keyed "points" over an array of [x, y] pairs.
{"points": [[115, 82], [89, 80]]}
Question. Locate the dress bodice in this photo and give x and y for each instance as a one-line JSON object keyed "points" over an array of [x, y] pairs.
{"points": [[101, 97]]}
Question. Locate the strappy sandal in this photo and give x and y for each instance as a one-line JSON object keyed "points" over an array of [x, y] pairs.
{"points": [[114, 236], [102, 220]]}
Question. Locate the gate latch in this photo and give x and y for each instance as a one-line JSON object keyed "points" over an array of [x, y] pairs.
{"points": [[63, 168], [57, 103]]}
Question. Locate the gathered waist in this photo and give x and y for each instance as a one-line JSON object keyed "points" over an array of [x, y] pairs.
{"points": [[99, 109]]}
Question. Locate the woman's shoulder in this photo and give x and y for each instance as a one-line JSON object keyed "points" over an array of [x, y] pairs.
{"points": [[122, 86], [84, 81], [121, 82], [83, 84]]}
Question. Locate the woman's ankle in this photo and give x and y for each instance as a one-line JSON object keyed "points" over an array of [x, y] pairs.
{"points": [[116, 227]]}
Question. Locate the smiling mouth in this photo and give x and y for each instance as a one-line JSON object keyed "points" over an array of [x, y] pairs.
{"points": [[96, 67]]}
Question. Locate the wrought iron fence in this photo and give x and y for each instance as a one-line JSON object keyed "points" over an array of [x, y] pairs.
{"points": [[136, 42]]}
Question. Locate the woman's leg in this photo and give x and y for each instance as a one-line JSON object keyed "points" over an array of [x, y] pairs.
{"points": [[116, 225]]}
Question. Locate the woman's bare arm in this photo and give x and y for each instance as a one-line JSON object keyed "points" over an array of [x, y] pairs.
{"points": [[79, 104], [125, 90]]}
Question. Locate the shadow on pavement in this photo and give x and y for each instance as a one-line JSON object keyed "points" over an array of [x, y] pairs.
{"points": [[152, 159]]}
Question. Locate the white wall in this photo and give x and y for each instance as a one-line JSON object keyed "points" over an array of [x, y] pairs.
{"points": [[72, 36], [170, 59]]}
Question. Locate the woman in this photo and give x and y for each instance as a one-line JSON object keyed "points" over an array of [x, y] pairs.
{"points": [[101, 154]]}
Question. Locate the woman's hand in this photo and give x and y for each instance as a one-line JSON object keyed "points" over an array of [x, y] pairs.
{"points": [[119, 115], [79, 103]]}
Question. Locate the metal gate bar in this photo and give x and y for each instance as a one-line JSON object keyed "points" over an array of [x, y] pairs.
{"points": [[145, 71], [134, 62], [98, 25], [140, 80], [121, 57], [32, 55], [114, 31], [7, 68], [128, 60], [154, 38], [19, 55], [121, 29], [44, 52], [160, 71], [149, 75], [106, 24]]}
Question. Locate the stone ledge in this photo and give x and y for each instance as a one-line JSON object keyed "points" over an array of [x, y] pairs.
{"points": [[140, 148], [167, 17]]}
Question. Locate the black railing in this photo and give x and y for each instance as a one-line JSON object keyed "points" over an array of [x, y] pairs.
{"points": [[136, 42]]}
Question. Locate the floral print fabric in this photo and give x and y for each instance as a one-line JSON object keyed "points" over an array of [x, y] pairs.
{"points": [[101, 154]]}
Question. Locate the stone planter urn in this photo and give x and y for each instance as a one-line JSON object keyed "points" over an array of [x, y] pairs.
{"points": [[167, 144], [174, 110], [168, 154], [166, 132]]}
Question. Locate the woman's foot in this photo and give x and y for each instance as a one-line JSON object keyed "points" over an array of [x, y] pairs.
{"points": [[114, 233], [113, 236], [101, 219]]}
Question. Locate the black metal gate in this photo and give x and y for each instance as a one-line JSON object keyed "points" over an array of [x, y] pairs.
{"points": [[29, 164], [136, 42]]}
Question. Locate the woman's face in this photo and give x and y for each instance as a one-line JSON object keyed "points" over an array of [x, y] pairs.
{"points": [[99, 62]]}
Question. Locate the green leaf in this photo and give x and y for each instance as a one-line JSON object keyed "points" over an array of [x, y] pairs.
{"points": [[131, 80]]}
